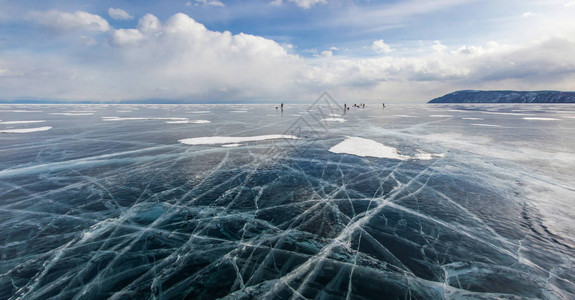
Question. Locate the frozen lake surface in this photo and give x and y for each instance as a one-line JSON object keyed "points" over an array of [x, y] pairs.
{"points": [[245, 201]]}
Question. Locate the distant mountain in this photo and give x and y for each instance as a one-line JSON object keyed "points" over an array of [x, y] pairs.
{"points": [[473, 96]]}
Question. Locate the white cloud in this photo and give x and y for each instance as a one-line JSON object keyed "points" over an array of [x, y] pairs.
{"points": [[306, 4], [3, 70], [544, 64], [380, 15], [119, 14], [380, 46], [276, 3], [59, 21], [468, 50], [181, 59], [528, 14], [313, 51], [88, 41], [149, 24], [438, 46], [209, 3], [570, 3], [123, 37]]}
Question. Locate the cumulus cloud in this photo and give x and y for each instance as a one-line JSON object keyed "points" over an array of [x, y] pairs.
{"points": [[176, 59], [438, 46], [306, 4], [119, 14], [544, 64], [276, 2], [123, 37], [88, 41], [181, 59], [207, 3], [149, 24], [380, 46], [60, 22], [468, 50]]}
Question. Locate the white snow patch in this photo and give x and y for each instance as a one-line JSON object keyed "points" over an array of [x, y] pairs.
{"points": [[370, 148], [366, 148], [486, 125], [140, 118], [503, 113], [121, 119], [189, 122], [20, 111], [440, 116], [213, 140], [239, 111], [73, 114], [26, 130], [341, 120], [231, 145], [20, 122], [201, 112], [541, 119], [471, 118], [427, 156], [404, 116]]}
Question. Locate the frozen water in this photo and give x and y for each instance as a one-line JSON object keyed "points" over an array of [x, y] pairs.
{"points": [[212, 140], [122, 210], [73, 114], [142, 118], [189, 122], [485, 125], [26, 130], [541, 119], [341, 120], [21, 122]]}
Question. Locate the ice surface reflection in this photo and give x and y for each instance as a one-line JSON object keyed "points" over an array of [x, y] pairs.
{"points": [[96, 209]]}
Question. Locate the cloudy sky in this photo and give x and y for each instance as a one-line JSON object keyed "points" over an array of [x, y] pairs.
{"points": [[265, 50]]}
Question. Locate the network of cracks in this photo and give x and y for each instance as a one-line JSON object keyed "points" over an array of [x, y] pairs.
{"points": [[216, 223]]}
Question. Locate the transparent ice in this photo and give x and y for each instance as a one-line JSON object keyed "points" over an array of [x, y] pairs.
{"points": [[96, 209]]}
